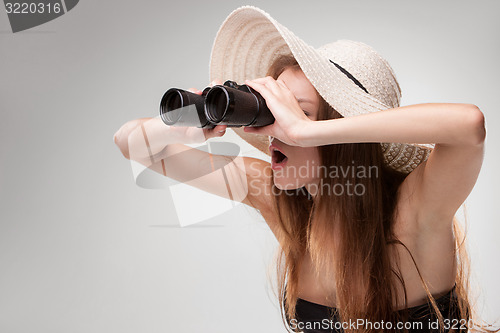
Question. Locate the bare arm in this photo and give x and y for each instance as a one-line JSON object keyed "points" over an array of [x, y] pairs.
{"points": [[444, 181], [152, 143], [440, 185], [443, 123]]}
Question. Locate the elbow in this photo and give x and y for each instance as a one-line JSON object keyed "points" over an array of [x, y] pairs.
{"points": [[122, 143], [476, 123]]}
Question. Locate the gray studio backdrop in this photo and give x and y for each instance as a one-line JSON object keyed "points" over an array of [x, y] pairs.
{"points": [[83, 248]]}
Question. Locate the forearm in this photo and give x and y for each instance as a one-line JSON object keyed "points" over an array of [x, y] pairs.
{"points": [[443, 123], [151, 137]]}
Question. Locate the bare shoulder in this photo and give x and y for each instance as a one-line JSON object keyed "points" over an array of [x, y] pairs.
{"points": [[259, 182]]}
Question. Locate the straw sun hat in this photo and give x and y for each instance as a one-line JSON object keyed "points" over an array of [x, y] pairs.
{"points": [[351, 76]]}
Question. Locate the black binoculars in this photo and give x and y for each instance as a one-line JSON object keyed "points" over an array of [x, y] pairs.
{"points": [[228, 104]]}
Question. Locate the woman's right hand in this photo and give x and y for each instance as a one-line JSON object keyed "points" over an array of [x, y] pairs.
{"points": [[130, 137]]}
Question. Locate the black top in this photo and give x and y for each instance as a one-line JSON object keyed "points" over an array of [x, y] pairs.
{"points": [[313, 318]]}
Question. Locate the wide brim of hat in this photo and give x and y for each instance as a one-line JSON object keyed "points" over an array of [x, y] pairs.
{"points": [[249, 41]]}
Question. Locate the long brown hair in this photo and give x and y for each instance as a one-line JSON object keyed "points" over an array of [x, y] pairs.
{"points": [[350, 238]]}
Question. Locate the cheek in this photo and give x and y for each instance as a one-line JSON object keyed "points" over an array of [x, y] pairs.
{"points": [[301, 169], [306, 156], [310, 154]]}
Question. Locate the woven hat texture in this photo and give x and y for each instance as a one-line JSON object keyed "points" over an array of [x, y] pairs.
{"points": [[249, 41]]}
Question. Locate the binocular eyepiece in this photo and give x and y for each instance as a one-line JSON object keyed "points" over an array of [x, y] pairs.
{"points": [[228, 104]]}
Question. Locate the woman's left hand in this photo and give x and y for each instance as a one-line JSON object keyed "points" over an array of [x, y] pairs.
{"points": [[290, 121]]}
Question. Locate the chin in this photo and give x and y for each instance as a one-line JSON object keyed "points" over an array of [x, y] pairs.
{"points": [[286, 187], [288, 184]]}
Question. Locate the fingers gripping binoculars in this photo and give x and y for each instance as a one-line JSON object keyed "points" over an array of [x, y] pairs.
{"points": [[228, 104]]}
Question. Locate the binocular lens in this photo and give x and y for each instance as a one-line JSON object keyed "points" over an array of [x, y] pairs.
{"points": [[216, 104], [229, 104], [183, 108], [171, 107], [174, 102]]}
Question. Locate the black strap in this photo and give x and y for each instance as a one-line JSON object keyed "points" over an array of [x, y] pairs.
{"points": [[350, 76]]}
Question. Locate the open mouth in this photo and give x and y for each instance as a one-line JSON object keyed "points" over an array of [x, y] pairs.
{"points": [[278, 158]]}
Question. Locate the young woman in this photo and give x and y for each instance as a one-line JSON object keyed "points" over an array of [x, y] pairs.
{"points": [[361, 193]]}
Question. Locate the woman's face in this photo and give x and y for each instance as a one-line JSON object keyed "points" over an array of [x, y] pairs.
{"points": [[296, 170]]}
